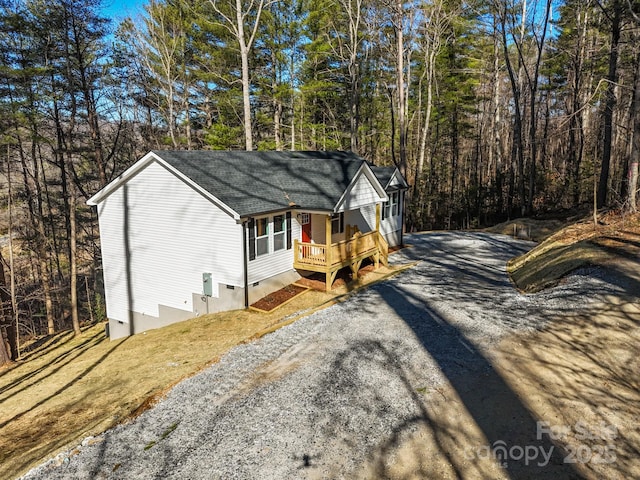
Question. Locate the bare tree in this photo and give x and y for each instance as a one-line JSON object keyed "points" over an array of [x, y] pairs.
{"points": [[242, 21], [401, 82], [436, 22], [348, 47], [159, 48], [632, 193], [615, 17]]}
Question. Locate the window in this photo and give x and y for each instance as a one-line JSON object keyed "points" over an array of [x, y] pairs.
{"points": [[337, 223], [262, 236], [279, 230], [395, 204], [391, 208]]}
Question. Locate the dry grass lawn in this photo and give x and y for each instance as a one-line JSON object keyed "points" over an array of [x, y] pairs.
{"points": [[68, 388]]}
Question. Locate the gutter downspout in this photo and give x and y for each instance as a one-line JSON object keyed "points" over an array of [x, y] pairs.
{"points": [[245, 264]]}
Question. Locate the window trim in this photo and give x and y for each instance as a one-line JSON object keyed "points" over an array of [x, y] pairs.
{"points": [[270, 235], [391, 208], [395, 203], [384, 214], [266, 236], [279, 233]]}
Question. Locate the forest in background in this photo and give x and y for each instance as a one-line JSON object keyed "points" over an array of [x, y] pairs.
{"points": [[491, 109]]}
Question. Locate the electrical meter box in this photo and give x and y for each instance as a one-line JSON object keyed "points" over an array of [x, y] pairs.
{"points": [[207, 284]]}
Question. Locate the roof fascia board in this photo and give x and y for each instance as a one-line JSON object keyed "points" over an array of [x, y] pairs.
{"points": [[363, 170]]}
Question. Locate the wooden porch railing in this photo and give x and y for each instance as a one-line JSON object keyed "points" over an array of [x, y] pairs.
{"points": [[346, 250], [328, 259], [310, 253], [342, 253]]}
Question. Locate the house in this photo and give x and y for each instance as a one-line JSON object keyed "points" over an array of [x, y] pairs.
{"points": [[184, 233], [392, 219]]}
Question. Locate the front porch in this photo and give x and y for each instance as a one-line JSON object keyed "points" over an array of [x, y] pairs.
{"points": [[330, 257]]}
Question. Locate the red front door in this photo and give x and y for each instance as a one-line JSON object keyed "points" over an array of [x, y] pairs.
{"points": [[306, 227]]}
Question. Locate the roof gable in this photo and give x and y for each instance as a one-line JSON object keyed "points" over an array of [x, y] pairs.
{"points": [[390, 177], [250, 183], [363, 190]]}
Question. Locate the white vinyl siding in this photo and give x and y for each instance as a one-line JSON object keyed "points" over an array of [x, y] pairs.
{"points": [[391, 226], [173, 235], [361, 193], [278, 261], [364, 218]]}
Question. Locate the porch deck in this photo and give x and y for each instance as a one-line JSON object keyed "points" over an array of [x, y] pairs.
{"points": [[328, 259]]}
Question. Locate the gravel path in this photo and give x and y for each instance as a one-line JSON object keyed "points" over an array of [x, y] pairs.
{"points": [[313, 399]]}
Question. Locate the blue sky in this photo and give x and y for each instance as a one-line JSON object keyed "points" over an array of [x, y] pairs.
{"points": [[120, 9]]}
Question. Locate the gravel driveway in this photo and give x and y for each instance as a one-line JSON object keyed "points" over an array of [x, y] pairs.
{"points": [[316, 398]]}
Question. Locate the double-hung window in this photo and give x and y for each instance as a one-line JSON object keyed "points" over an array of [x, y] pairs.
{"points": [[269, 234], [395, 204], [391, 208], [279, 231], [262, 236]]}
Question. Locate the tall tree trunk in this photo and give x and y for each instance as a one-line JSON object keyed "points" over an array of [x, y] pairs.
{"points": [[276, 102], [354, 100], [348, 51], [635, 143], [34, 202], [246, 83], [495, 148], [576, 122], [400, 86], [393, 128], [245, 42], [73, 259], [277, 123], [6, 320], [609, 106], [430, 58], [533, 120], [4, 352], [517, 158], [14, 342]]}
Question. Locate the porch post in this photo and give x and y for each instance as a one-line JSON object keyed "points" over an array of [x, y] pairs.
{"points": [[327, 231]]}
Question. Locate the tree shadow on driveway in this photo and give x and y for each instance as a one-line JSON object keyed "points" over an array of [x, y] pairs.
{"points": [[471, 424], [488, 400]]}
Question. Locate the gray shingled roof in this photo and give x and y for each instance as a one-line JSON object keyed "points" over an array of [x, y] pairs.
{"points": [[384, 175], [258, 182]]}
